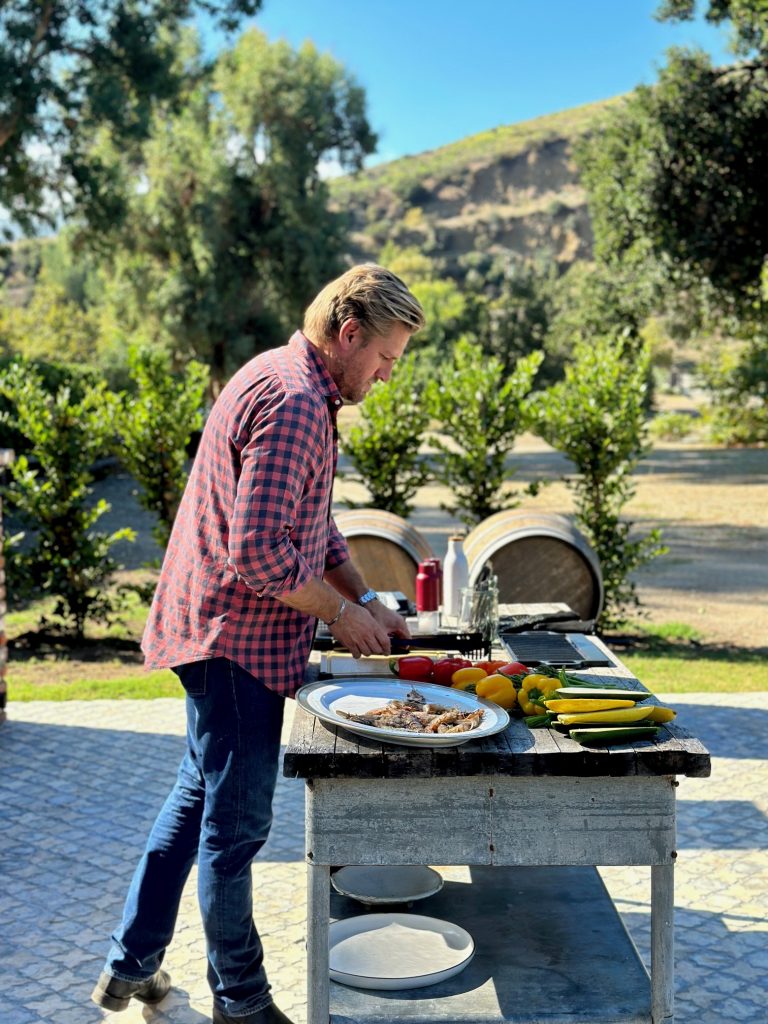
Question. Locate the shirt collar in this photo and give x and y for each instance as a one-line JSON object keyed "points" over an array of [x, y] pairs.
{"points": [[314, 367]]}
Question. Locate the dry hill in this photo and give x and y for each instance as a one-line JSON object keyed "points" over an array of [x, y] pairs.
{"points": [[515, 188]]}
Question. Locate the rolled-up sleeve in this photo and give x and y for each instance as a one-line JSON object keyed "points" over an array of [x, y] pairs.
{"points": [[277, 462]]}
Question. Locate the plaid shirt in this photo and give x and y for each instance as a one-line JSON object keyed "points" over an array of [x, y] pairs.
{"points": [[254, 522]]}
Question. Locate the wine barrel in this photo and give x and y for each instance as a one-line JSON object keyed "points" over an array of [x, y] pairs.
{"points": [[385, 548], [537, 558]]}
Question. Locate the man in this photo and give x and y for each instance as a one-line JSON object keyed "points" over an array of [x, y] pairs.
{"points": [[253, 561]]}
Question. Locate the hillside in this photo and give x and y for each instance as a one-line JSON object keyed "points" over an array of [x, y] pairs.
{"points": [[514, 188]]}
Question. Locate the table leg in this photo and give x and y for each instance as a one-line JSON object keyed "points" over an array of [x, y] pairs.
{"points": [[662, 943], [318, 913]]}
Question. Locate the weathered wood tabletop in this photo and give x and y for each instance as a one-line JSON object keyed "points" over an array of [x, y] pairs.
{"points": [[320, 751]]}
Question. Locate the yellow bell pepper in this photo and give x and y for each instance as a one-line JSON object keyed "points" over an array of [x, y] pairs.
{"points": [[500, 689], [536, 687], [465, 678]]}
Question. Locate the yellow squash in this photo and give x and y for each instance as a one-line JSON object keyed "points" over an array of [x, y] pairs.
{"points": [[660, 714], [601, 717], [587, 705]]}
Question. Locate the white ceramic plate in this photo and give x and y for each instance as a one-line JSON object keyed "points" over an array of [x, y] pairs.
{"points": [[378, 884], [327, 697], [394, 951]]}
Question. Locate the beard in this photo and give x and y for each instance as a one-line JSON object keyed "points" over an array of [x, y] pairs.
{"points": [[352, 387]]}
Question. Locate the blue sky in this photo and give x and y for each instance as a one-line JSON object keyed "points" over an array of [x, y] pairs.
{"points": [[435, 71]]}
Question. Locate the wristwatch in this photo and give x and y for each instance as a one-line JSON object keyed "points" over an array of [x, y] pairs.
{"points": [[367, 597]]}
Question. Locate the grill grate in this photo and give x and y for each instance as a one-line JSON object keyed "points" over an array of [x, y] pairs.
{"points": [[540, 648]]}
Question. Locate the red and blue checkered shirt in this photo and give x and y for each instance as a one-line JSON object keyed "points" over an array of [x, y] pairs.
{"points": [[254, 522]]}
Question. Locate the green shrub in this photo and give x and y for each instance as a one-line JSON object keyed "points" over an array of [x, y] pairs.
{"points": [[53, 376], [596, 416], [672, 426], [738, 383], [384, 447], [154, 426], [64, 557], [481, 411]]}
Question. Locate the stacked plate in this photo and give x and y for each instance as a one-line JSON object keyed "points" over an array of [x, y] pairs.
{"points": [[397, 951], [385, 884]]}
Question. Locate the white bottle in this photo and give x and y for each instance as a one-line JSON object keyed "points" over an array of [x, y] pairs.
{"points": [[455, 576]]}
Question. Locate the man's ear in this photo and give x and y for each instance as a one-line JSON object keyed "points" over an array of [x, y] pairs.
{"points": [[349, 332]]}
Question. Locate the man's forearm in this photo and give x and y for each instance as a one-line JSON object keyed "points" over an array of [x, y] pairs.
{"points": [[347, 579], [315, 598]]}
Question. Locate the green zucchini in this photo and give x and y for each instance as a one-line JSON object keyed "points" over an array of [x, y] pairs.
{"points": [[613, 733]]}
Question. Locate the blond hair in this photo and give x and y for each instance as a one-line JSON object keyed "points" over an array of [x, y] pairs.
{"points": [[368, 293]]}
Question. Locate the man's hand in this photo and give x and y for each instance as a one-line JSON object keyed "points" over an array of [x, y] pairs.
{"points": [[394, 624], [360, 631]]}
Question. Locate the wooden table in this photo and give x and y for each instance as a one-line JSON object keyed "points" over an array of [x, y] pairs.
{"points": [[520, 798]]}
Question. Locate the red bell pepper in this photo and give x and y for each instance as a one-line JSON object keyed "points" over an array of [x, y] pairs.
{"points": [[513, 668], [444, 668], [492, 666], [415, 667]]}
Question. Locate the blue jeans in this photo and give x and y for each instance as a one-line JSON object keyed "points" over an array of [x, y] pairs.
{"points": [[220, 811]]}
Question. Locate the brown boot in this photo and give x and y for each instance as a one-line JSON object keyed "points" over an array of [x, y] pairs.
{"points": [[115, 994]]}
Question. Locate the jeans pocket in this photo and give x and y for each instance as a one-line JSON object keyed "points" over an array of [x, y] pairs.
{"points": [[194, 677]]}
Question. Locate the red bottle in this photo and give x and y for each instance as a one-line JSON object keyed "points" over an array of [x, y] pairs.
{"points": [[438, 570], [427, 587]]}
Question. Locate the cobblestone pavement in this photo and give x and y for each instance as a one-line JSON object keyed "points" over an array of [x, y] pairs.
{"points": [[80, 783]]}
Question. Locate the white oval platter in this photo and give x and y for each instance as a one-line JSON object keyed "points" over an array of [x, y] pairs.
{"points": [[356, 695]]}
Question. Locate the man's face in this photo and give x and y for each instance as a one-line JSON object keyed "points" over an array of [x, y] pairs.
{"points": [[360, 362]]}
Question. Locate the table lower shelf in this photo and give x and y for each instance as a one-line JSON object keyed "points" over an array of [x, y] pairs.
{"points": [[551, 948]]}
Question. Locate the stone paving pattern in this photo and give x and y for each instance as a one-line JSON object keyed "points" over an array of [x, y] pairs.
{"points": [[81, 782]]}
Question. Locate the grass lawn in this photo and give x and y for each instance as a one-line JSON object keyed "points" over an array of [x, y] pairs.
{"points": [[671, 658], [144, 686], [109, 665], [682, 673]]}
